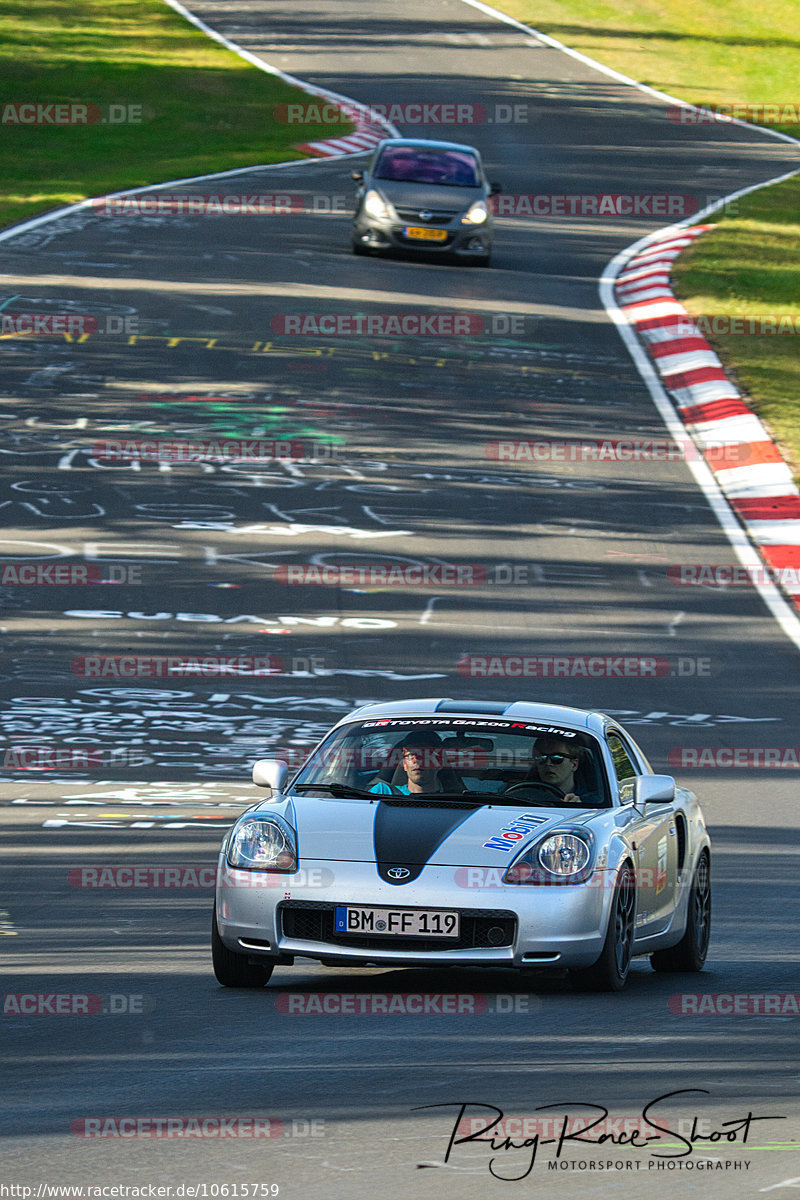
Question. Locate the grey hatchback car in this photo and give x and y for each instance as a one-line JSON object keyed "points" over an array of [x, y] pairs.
{"points": [[424, 197]]}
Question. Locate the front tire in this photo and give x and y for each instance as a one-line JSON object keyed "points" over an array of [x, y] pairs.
{"points": [[610, 972], [690, 953], [234, 970]]}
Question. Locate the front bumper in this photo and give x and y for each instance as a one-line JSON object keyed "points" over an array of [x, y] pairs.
{"points": [[467, 241], [280, 916]]}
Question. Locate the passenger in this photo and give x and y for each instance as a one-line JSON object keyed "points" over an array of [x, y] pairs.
{"points": [[421, 761]]}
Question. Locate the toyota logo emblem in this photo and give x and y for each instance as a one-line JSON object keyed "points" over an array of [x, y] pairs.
{"points": [[398, 872]]}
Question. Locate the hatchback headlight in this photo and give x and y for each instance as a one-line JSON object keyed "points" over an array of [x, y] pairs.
{"points": [[476, 214], [263, 844], [375, 205], [563, 856]]}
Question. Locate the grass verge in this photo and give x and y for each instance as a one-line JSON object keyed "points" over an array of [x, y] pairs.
{"points": [[728, 53], [163, 101]]}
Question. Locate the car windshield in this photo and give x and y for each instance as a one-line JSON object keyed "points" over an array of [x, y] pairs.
{"points": [[450, 168], [493, 761]]}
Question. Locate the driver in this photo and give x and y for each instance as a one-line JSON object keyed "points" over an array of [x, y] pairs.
{"points": [[554, 761]]}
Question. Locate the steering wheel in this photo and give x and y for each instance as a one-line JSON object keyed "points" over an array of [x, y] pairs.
{"points": [[533, 783]]}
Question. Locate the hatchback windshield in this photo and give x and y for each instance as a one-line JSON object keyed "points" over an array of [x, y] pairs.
{"points": [[452, 168], [539, 764]]}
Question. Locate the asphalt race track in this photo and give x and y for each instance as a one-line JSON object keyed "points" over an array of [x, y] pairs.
{"points": [[534, 578]]}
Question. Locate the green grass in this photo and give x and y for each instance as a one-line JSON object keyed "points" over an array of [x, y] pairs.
{"points": [[728, 52], [731, 51], [201, 108]]}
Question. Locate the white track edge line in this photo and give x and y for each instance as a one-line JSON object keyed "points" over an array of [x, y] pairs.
{"points": [[310, 88], [747, 553], [618, 75]]}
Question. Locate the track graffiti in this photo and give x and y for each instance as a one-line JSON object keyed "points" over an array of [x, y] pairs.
{"points": [[213, 734], [470, 357], [696, 720]]}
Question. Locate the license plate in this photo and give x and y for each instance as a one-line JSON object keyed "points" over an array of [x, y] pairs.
{"points": [[429, 235], [396, 922]]}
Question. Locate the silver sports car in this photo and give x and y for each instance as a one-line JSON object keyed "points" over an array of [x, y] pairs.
{"points": [[466, 833]]}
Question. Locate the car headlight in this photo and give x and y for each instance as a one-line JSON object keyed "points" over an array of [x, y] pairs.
{"points": [[476, 214], [375, 205], [263, 844], [563, 856]]}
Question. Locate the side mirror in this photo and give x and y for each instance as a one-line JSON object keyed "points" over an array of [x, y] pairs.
{"points": [[495, 189], [270, 773], [358, 176], [653, 789]]}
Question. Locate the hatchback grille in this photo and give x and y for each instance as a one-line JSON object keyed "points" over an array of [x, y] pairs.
{"points": [[438, 216], [312, 921]]}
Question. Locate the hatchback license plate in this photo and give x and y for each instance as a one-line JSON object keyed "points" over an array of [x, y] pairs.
{"points": [[429, 235], [393, 922]]}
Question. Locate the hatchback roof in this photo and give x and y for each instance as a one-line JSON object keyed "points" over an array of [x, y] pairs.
{"points": [[427, 144]]}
